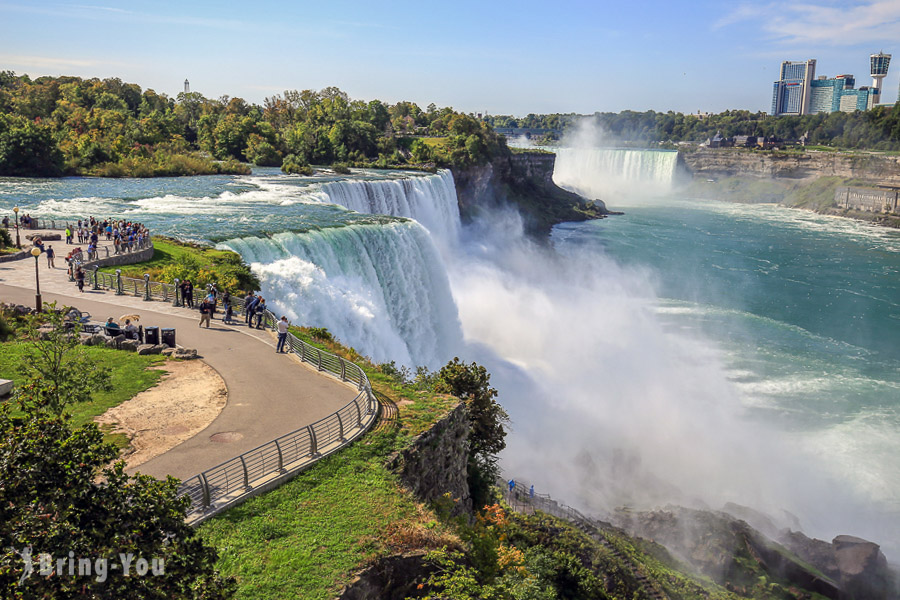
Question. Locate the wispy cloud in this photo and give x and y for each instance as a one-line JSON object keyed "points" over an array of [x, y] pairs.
{"points": [[52, 63], [115, 14], [874, 21]]}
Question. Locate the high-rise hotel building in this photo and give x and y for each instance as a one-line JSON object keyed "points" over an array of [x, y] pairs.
{"points": [[791, 94]]}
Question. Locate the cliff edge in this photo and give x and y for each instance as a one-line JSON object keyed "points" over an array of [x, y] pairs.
{"points": [[525, 181]]}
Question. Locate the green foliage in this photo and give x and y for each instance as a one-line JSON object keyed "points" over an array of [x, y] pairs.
{"points": [[202, 265], [296, 165], [5, 238], [27, 148], [56, 372], [321, 333], [340, 169], [51, 501]]}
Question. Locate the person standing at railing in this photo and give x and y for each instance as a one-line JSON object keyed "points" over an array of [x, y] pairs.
{"points": [[260, 313], [282, 333], [250, 303], [187, 293], [68, 235]]}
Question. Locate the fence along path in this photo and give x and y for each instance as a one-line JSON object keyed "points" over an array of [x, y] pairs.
{"points": [[269, 465], [523, 499]]}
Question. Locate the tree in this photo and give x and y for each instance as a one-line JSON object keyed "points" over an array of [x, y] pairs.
{"points": [[27, 149], [487, 422], [80, 521]]}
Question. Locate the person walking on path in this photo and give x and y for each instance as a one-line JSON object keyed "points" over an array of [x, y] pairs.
{"points": [[204, 313], [79, 278], [260, 311], [282, 333], [50, 256]]}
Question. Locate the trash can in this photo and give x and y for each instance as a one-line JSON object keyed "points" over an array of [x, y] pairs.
{"points": [[151, 335], [168, 336]]}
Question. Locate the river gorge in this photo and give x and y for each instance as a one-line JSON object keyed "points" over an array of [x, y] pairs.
{"points": [[689, 351]]}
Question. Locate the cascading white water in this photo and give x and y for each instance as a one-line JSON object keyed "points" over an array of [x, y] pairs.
{"points": [[612, 174], [430, 200], [380, 288]]}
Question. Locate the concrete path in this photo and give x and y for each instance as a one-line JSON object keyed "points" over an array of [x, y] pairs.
{"points": [[269, 394]]}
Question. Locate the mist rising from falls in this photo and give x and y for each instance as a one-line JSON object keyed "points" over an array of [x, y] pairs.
{"points": [[430, 200], [612, 173], [380, 288]]}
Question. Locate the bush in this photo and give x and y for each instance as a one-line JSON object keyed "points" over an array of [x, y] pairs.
{"points": [[340, 168], [296, 165], [5, 238]]}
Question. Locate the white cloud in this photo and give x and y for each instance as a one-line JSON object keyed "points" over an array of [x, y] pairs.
{"points": [[54, 63], [843, 24]]}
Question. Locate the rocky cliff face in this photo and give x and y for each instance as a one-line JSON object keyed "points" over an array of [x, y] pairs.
{"points": [[524, 181], [435, 463], [714, 163]]}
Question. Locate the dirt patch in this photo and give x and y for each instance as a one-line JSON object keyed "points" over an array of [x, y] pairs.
{"points": [[182, 404]]}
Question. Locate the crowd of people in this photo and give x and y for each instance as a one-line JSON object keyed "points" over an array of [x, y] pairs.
{"points": [[126, 236]]}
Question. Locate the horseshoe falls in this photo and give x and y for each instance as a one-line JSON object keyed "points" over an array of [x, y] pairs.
{"points": [[613, 173]]}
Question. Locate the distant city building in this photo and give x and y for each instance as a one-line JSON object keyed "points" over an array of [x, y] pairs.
{"points": [[826, 93], [187, 86], [799, 92], [878, 67], [791, 94]]}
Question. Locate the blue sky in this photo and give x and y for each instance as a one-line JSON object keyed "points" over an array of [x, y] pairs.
{"points": [[504, 58]]}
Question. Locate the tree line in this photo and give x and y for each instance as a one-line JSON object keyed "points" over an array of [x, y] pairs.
{"points": [[68, 125], [876, 129]]}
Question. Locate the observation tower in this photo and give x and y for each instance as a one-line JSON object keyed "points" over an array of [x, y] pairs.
{"points": [[879, 64]]}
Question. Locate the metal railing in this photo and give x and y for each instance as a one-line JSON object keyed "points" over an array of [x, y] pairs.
{"points": [[236, 479], [521, 497]]}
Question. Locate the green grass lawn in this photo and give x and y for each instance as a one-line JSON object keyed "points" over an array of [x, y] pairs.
{"points": [[129, 375], [166, 252], [306, 538]]}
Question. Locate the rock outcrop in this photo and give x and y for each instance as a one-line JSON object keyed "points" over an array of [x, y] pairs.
{"points": [[435, 463], [523, 181]]}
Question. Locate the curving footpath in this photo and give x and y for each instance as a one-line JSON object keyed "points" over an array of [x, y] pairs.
{"points": [[269, 395]]}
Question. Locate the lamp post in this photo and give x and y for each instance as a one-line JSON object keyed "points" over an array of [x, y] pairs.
{"points": [[18, 243], [36, 253]]}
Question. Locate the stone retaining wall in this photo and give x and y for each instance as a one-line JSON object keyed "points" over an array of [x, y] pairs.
{"points": [[866, 199], [128, 258]]}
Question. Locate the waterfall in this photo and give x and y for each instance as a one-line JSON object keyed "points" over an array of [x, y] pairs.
{"points": [[430, 200], [380, 288], [611, 173]]}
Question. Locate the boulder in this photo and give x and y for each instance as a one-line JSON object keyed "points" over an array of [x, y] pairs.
{"points": [[863, 568], [168, 352], [98, 339], [6, 386], [86, 338], [129, 345], [52, 237], [149, 349], [186, 353]]}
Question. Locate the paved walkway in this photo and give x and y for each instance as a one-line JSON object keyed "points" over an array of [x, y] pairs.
{"points": [[269, 394]]}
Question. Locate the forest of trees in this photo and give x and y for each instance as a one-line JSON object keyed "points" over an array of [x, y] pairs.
{"points": [[877, 129], [67, 125]]}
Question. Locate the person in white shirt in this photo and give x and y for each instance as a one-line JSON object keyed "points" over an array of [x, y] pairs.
{"points": [[282, 333]]}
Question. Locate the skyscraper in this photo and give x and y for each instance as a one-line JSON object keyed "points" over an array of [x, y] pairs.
{"points": [[791, 93], [879, 64]]}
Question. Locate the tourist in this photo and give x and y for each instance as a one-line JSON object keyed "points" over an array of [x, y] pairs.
{"points": [[260, 311], [79, 278], [6, 222], [50, 256], [282, 333], [204, 313], [248, 307], [188, 294], [68, 235], [112, 328], [130, 330], [228, 314]]}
